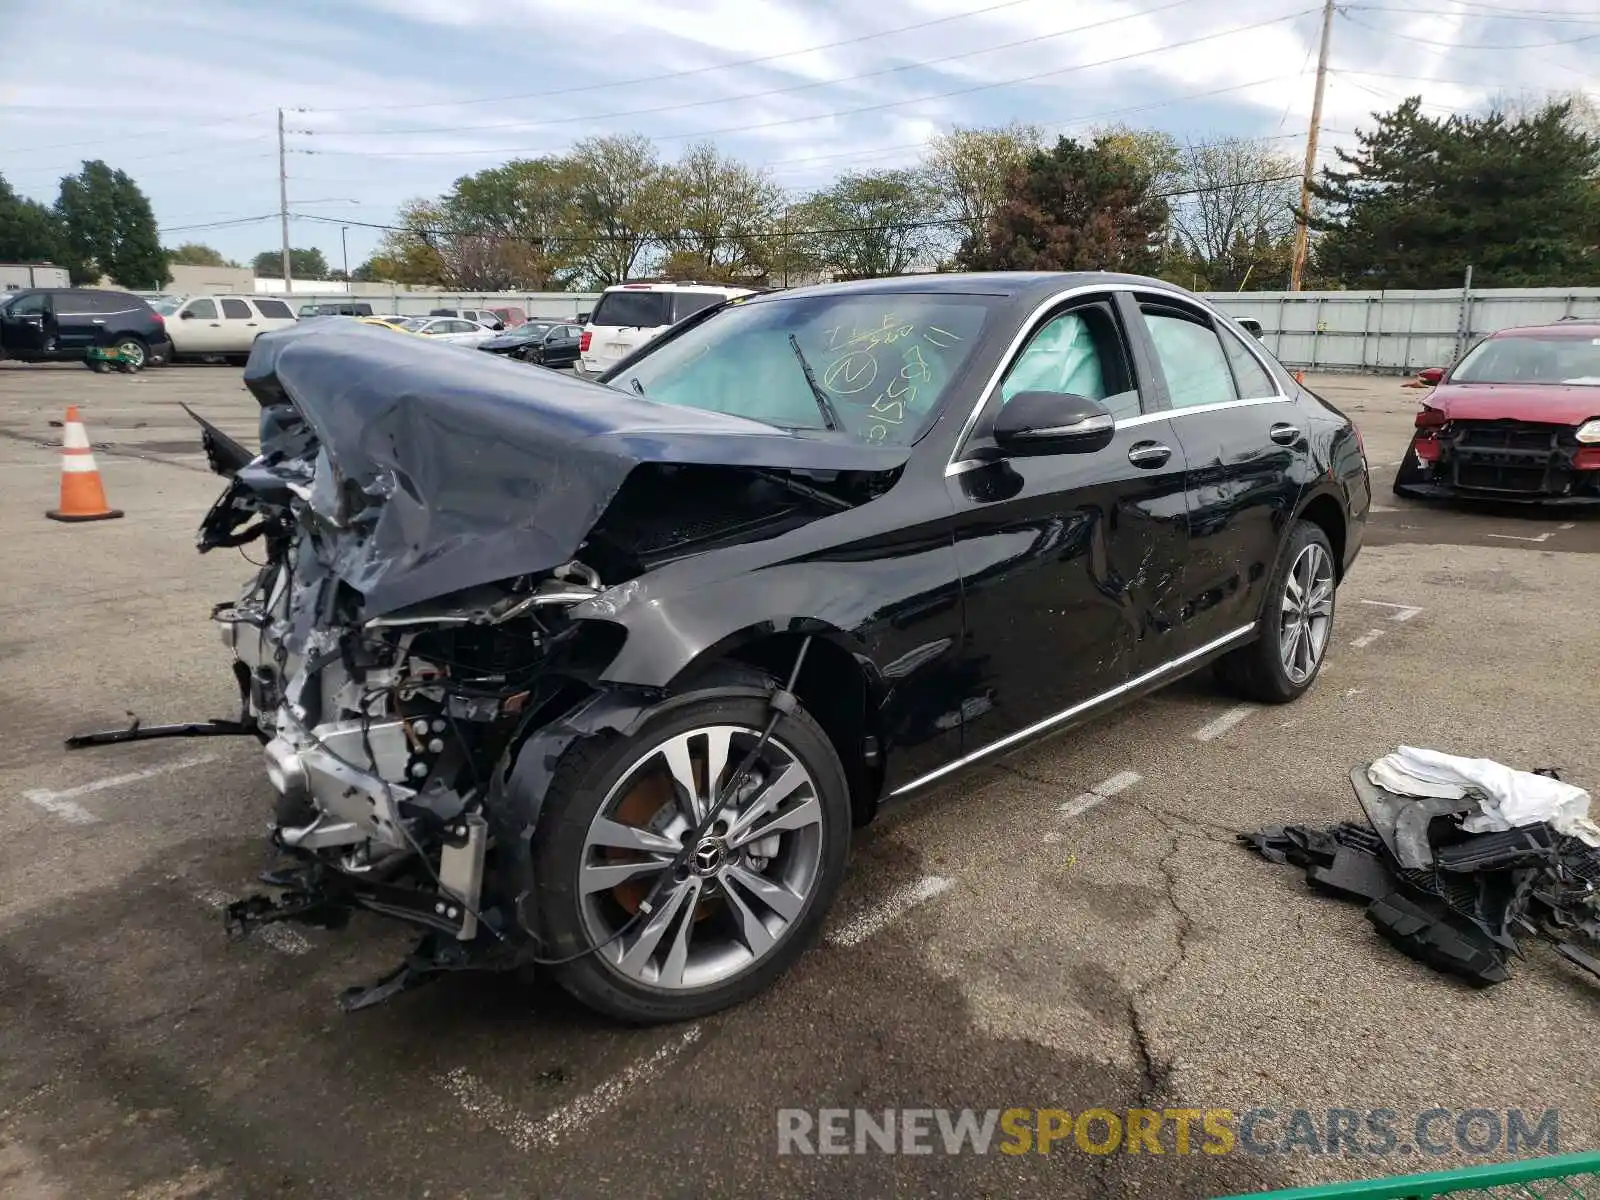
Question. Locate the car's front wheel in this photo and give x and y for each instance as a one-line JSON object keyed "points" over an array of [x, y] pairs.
{"points": [[1296, 624], [673, 910]]}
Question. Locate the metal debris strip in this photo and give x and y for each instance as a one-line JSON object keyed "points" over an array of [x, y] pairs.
{"points": [[1562, 1177], [1455, 900]]}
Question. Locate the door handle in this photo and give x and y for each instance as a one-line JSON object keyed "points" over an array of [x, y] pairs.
{"points": [[1284, 435], [1149, 454], [99, 321]]}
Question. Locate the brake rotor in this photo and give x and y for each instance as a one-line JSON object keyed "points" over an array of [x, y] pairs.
{"points": [[650, 804]]}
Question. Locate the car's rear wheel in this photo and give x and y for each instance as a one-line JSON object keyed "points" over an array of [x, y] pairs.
{"points": [[669, 926], [133, 351], [1296, 624]]}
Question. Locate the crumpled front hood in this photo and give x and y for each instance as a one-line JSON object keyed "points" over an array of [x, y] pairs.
{"points": [[1550, 404], [445, 468]]}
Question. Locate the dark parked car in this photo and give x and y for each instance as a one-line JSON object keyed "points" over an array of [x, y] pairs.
{"points": [[544, 342], [1518, 418], [61, 324], [601, 675], [344, 308]]}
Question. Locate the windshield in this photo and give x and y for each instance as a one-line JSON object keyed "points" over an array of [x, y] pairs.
{"points": [[1549, 360], [167, 307], [530, 330], [883, 361], [415, 323]]}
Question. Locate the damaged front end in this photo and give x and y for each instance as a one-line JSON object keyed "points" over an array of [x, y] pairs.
{"points": [[432, 530]]}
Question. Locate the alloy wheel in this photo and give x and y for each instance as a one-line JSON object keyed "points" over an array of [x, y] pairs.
{"points": [[133, 351], [1307, 613], [728, 900]]}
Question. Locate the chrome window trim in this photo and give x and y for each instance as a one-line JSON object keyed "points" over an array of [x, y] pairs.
{"points": [[1067, 714], [956, 465]]}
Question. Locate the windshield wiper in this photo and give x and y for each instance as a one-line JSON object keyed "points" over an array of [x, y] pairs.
{"points": [[830, 417], [636, 385]]}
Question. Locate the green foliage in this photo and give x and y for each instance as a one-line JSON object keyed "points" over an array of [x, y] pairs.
{"points": [[303, 264], [1074, 208], [196, 254], [29, 231], [109, 229], [868, 224], [1422, 198]]}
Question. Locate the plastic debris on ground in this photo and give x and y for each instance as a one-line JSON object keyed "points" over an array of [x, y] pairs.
{"points": [[1459, 858]]}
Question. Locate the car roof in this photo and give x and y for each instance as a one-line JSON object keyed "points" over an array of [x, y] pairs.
{"points": [[1585, 328]]}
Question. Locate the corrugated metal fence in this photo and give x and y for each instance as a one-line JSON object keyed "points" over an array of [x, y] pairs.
{"points": [[1396, 331]]}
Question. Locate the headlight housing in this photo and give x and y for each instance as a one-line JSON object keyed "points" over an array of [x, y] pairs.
{"points": [[1589, 431]]}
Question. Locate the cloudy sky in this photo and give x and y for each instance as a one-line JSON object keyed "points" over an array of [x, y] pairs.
{"points": [[392, 99]]}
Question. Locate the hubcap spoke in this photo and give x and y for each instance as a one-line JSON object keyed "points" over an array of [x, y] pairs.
{"points": [[751, 931], [602, 876], [678, 956], [779, 899], [639, 953], [617, 836], [717, 743], [676, 753], [765, 801], [1307, 606], [807, 812]]}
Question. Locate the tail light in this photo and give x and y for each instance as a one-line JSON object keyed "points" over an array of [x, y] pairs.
{"points": [[583, 342], [1432, 418], [161, 322]]}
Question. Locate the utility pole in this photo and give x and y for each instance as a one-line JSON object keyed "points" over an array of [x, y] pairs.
{"points": [[283, 204], [1302, 231], [345, 247]]}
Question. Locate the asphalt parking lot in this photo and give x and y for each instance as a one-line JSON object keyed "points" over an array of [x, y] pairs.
{"points": [[989, 951]]}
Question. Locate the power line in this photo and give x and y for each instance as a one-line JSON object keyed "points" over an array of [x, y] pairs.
{"points": [[1505, 15], [1408, 37], [845, 112], [914, 65], [218, 224], [741, 62]]}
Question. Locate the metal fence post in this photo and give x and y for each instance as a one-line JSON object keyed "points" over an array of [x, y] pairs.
{"points": [[1464, 324]]}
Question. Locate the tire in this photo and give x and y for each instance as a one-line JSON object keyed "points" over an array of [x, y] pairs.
{"points": [[1262, 670], [589, 781], [133, 347]]}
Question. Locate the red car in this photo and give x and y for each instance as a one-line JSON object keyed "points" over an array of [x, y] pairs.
{"points": [[1518, 418]]}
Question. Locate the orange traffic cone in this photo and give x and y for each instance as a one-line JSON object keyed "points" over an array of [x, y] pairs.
{"points": [[1299, 376], [83, 497]]}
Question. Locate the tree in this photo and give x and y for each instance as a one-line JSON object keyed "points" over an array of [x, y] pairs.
{"points": [[1074, 208], [409, 254], [619, 198], [717, 215], [29, 231], [1154, 151], [1422, 198], [1235, 222], [967, 169], [868, 224], [110, 229], [196, 254], [503, 227], [303, 264]]}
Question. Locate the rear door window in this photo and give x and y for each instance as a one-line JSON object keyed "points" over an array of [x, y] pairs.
{"points": [[633, 309], [686, 304], [202, 310], [236, 310], [1191, 357], [1251, 377], [274, 310], [113, 302]]}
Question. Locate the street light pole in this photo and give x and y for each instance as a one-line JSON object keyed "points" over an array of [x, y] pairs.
{"points": [[345, 247]]}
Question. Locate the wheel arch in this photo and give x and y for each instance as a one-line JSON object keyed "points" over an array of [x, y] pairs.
{"points": [[1324, 510]]}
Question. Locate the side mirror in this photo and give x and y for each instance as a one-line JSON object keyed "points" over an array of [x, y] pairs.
{"points": [[1431, 375], [1053, 423], [186, 315]]}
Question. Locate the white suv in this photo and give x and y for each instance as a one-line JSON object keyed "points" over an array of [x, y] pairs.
{"points": [[630, 314], [479, 316], [220, 326]]}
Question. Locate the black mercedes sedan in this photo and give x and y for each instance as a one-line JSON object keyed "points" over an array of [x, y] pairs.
{"points": [[545, 343], [600, 675]]}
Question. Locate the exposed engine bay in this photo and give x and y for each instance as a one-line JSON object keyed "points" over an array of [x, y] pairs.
{"points": [[391, 705]]}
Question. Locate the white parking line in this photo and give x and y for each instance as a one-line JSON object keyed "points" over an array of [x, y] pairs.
{"points": [[1104, 790], [1367, 638], [1512, 537], [64, 803], [280, 937], [1403, 612], [1564, 528], [888, 910], [545, 1134], [1212, 730]]}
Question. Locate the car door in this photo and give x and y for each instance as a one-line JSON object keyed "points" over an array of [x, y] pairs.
{"points": [[24, 324], [76, 320], [570, 335], [1069, 561], [199, 328], [1247, 456], [240, 325]]}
